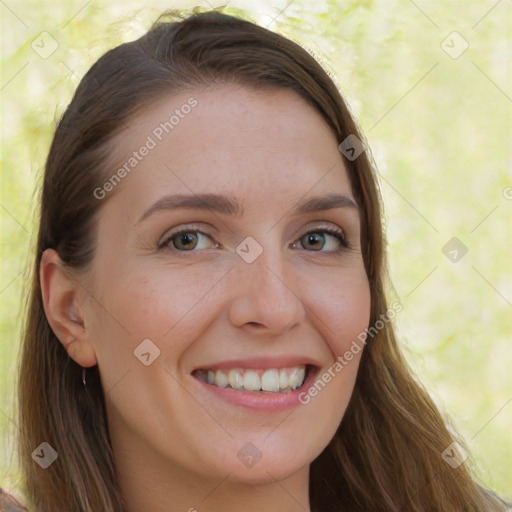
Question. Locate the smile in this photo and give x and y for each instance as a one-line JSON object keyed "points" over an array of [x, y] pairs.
{"points": [[272, 380]]}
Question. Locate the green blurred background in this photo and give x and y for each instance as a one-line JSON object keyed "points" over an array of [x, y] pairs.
{"points": [[436, 110]]}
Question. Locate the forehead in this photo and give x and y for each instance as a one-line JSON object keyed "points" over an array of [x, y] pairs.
{"points": [[263, 144]]}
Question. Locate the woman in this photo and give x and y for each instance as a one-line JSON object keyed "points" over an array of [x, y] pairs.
{"points": [[258, 372]]}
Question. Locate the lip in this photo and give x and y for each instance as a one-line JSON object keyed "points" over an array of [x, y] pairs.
{"points": [[262, 362], [261, 401]]}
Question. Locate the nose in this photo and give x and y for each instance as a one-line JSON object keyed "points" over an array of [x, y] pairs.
{"points": [[266, 298]]}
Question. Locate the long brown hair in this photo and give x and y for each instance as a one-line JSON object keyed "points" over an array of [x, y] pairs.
{"points": [[386, 453]]}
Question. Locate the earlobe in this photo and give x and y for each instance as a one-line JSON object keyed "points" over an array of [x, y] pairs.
{"points": [[82, 353], [60, 295]]}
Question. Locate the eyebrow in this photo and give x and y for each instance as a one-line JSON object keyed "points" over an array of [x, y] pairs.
{"points": [[230, 206]]}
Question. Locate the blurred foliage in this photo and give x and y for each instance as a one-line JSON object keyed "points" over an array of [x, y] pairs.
{"points": [[439, 131]]}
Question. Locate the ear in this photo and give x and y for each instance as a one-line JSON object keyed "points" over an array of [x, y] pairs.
{"points": [[61, 300]]}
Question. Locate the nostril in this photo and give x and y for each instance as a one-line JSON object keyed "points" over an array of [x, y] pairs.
{"points": [[255, 324]]}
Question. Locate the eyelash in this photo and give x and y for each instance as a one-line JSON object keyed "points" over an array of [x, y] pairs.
{"points": [[336, 232]]}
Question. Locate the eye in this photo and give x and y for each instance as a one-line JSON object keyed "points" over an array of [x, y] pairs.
{"points": [[316, 240], [186, 240]]}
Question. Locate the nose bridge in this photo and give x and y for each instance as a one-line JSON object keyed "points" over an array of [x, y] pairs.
{"points": [[264, 288], [266, 264]]}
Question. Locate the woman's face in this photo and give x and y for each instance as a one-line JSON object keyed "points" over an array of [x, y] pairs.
{"points": [[244, 296]]}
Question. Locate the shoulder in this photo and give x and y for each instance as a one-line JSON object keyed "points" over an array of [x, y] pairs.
{"points": [[8, 503]]}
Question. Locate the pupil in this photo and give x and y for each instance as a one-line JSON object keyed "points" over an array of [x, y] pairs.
{"points": [[187, 239], [312, 237]]}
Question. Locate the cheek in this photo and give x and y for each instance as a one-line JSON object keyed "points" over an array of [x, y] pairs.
{"points": [[341, 311], [342, 306], [153, 304]]}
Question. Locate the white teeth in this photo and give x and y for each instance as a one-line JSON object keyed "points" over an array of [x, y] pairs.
{"points": [[271, 380], [296, 378], [236, 381], [221, 379], [252, 381], [283, 379]]}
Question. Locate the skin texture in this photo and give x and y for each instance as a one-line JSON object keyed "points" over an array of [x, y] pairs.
{"points": [[175, 444]]}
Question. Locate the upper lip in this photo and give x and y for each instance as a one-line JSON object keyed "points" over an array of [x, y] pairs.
{"points": [[261, 362]]}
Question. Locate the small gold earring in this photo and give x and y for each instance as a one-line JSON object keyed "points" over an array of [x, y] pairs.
{"points": [[84, 375]]}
